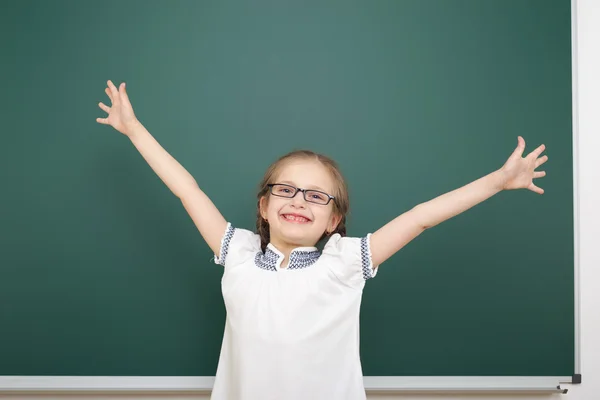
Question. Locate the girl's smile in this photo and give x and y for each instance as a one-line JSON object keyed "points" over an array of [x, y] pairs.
{"points": [[295, 218]]}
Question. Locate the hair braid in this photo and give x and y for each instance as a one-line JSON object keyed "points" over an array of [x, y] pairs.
{"points": [[262, 228]]}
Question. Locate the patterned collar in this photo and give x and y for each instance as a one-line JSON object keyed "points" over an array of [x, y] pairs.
{"points": [[300, 257]]}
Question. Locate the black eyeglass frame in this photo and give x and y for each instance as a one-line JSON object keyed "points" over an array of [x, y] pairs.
{"points": [[296, 190]]}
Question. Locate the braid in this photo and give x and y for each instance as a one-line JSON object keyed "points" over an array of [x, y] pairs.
{"points": [[262, 227]]}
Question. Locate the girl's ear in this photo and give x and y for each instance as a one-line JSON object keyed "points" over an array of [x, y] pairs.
{"points": [[335, 221], [263, 207]]}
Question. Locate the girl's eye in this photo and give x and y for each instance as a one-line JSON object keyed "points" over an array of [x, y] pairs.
{"points": [[283, 190]]}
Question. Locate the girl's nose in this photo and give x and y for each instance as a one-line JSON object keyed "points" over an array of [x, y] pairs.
{"points": [[298, 199]]}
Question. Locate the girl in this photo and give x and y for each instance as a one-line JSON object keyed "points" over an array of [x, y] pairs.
{"points": [[292, 310]]}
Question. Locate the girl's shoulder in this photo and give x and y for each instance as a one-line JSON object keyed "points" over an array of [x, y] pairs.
{"points": [[237, 245], [350, 258]]}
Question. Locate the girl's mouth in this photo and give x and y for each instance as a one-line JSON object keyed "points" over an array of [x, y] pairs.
{"points": [[294, 218]]}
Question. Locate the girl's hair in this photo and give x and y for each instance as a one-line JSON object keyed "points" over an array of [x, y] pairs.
{"points": [[341, 203]]}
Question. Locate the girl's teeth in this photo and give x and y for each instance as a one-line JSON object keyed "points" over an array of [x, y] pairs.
{"points": [[294, 218]]}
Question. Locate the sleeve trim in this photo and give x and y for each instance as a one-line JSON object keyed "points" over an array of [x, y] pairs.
{"points": [[225, 240], [368, 271]]}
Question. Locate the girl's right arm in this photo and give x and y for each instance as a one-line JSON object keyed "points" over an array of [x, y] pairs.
{"points": [[201, 209]]}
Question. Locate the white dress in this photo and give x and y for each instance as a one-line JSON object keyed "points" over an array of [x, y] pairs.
{"points": [[291, 333]]}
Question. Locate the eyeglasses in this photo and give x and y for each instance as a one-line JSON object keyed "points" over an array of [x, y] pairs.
{"points": [[310, 195]]}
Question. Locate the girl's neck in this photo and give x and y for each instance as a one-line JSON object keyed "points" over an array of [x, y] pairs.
{"points": [[285, 249]]}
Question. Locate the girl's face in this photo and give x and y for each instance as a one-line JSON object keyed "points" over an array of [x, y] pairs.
{"points": [[295, 221]]}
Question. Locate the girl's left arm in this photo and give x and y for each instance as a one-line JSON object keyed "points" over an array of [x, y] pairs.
{"points": [[517, 173]]}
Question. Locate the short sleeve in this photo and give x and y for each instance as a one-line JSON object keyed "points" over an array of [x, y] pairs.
{"points": [[237, 246], [350, 259]]}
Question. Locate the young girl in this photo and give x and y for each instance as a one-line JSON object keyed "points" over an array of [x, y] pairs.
{"points": [[293, 311]]}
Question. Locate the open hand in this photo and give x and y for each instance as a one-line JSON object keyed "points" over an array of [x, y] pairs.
{"points": [[519, 172], [120, 113]]}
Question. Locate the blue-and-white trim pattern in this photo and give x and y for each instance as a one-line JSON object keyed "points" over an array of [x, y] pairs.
{"points": [[299, 259], [367, 261], [267, 261], [225, 240], [303, 259]]}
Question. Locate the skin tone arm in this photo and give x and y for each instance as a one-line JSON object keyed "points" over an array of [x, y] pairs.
{"points": [[517, 173], [201, 209]]}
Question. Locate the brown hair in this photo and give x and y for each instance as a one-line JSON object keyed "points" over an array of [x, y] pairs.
{"points": [[341, 203]]}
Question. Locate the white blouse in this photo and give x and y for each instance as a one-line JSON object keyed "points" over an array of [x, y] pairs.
{"points": [[291, 333]]}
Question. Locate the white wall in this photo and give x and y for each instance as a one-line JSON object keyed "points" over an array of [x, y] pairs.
{"points": [[588, 99], [588, 163]]}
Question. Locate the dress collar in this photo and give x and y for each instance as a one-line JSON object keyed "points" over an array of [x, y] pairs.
{"points": [[300, 257]]}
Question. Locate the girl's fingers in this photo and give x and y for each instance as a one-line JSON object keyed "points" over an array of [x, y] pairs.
{"points": [[104, 107], [536, 189], [102, 121], [107, 91], [113, 91], [539, 174], [518, 152], [540, 161], [536, 153], [123, 94]]}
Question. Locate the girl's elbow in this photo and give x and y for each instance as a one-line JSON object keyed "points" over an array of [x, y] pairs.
{"points": [[419, 219]]}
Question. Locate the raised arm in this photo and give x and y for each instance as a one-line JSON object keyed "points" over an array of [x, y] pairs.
{"points": [[201, 209], [516, 173]]}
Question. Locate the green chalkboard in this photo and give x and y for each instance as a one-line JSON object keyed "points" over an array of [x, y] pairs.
{"points": [[102, 272]]}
